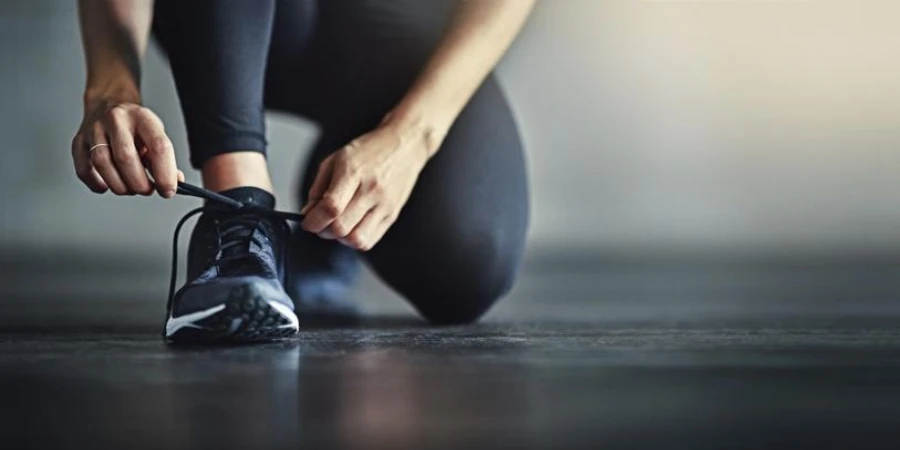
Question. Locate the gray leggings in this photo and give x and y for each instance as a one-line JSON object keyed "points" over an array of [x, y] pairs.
{"points": [[457, 245]]}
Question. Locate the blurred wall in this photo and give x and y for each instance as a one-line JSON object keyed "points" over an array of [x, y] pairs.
{"points": [[651, 126]]}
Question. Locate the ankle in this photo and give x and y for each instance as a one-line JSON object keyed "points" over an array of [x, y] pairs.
{"points": [[237, 169]]}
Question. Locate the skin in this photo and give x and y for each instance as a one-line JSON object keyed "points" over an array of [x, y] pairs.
{"points": [[359, 190]]}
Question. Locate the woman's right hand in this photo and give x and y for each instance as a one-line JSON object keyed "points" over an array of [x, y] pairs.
{"points": [[127, 140]]}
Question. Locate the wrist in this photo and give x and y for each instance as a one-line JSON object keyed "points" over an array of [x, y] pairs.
{"points": [[416, 127], [122, 89]]}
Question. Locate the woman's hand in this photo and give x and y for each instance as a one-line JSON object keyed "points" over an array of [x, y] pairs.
{"points": [[126, 139], [360, 189]]}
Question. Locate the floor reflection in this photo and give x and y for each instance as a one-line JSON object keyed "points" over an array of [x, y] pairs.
{"points": [[243, 397], [379, 396], [358, 391]]}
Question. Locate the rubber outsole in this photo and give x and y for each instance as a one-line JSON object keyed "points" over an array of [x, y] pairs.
{"points": [[246, 317]]}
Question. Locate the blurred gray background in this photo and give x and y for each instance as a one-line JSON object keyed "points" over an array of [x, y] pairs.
{"points": [[738, 128]]}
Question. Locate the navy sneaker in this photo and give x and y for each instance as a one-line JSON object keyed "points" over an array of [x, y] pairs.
{"points": [[235, 290], [321, 275]]}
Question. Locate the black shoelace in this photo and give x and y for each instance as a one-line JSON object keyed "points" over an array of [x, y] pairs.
{"points": [[236, 233]]}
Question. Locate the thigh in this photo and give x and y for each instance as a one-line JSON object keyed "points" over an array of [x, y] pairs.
{"points": [[361, 57]]}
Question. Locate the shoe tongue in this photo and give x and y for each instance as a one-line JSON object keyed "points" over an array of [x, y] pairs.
{"points": [[242, 243], [251, 196]]}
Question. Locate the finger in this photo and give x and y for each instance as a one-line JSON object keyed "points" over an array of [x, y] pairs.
{"points": [[334, 201], [319, 185], [83, 167], [369, 231], [160, 154], [380, 230], [124, 153], [350, 218], [101, 159], [179, 174]]}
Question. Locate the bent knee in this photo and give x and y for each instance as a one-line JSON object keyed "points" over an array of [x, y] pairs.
{"points": [[463, 294]]}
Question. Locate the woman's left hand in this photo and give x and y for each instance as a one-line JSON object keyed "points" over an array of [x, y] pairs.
{"points": [[360, 189]]}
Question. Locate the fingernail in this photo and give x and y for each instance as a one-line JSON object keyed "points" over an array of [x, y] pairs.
{"points": [[169, 194], [304, 209], [326, 235]]}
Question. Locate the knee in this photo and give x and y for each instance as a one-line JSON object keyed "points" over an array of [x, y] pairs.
{"points": [[466, 282], [462, 300]]}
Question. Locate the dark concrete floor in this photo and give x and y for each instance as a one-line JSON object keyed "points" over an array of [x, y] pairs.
{"points": [[709, 355]]}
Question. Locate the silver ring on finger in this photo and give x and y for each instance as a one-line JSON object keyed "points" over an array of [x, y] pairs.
{"points": [[96, 146]]}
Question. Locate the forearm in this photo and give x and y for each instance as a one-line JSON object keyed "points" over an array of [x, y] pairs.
{"points": [[476, 39], [114, 34]]}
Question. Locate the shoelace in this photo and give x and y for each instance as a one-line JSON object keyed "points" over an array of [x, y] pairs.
{"points": [[236, 236], [245, 216]]}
